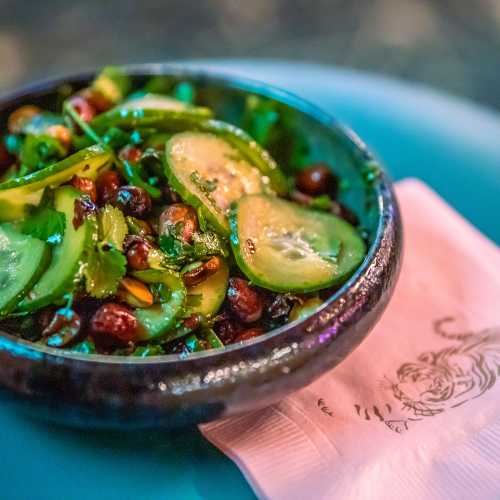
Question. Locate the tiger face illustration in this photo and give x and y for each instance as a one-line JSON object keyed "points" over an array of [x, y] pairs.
{"points": [[450, 377], [441, 380]]}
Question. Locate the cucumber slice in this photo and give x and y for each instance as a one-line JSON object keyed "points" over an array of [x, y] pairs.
{"points": [[209, 174], [209, 295], [188, 120], [16, 194], [161, 102], [284, 247], [61, 276], [22, 260], [305, 310], [250, 149], [157, 320]]}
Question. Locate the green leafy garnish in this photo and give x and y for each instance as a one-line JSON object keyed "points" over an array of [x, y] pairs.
{"points": [[259, 118], [112, 226], [105, 268], [175, 250], [204, 245], [46, 224], [38, 151]]}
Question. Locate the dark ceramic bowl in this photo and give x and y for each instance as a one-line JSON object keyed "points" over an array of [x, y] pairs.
{"points": [[167, 391]]}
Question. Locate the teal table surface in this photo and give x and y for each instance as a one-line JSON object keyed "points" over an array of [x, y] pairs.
{"points": [[452, 145]]}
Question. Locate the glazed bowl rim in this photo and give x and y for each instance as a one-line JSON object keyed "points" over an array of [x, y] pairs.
{"points": [[230, 81]]}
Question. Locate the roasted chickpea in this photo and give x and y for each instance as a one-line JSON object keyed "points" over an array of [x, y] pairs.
{"points": [[315, 180], [244, 300], [181, 215], [107, 185], [202, 272], [137, 253], [133, 200], [114, 321]]}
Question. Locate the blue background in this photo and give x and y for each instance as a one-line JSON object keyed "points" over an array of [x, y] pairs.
{"points": [[451, 144]]}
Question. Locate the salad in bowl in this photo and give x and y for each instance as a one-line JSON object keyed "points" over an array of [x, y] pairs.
{"points": [[136, 222]]}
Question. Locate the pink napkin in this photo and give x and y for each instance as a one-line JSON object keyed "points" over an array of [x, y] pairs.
{"points": [[414, 412]]}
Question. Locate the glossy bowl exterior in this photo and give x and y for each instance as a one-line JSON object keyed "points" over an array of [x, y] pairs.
{"points": [[169, 391]]}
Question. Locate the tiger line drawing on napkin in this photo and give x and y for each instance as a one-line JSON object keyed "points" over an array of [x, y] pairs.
{"points": [[438, 380]]}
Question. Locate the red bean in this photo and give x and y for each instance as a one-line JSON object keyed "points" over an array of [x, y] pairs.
{"points": [[181, 215], [84, 207], [114, 321], [244, 300], [227, 328], [85, 185], [315, 180], [133, 200], [107, 185]]}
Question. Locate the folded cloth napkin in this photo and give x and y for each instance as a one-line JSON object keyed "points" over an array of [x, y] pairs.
{"points": [[414, 412]]}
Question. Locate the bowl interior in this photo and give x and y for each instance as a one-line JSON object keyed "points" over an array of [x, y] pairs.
{"points": [[307, 135]]}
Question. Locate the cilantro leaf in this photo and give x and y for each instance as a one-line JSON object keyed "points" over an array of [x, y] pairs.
{"points": [[104, 270], [175, 250], [204, 245], [38, 151], [45, 224], [112, 226]]}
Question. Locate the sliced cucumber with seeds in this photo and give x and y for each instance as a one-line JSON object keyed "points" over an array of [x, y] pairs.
{"points": [[251, 151], [208, 296], [287, 248], [180, 121], [17, 194], [22, 260], [209, 174], [67, 257], [159, 319]]}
